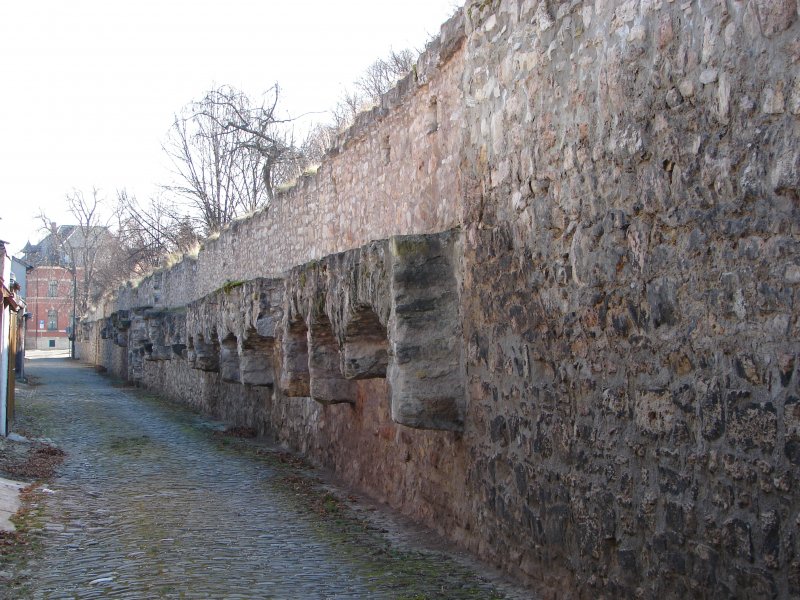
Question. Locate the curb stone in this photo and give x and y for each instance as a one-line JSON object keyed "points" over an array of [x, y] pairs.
{"points": [[9, 502]]}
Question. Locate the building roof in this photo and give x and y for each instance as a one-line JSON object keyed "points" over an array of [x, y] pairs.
{"points": [[50, 250]]}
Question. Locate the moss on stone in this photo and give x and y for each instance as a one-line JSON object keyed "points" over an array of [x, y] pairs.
{"points": [[231, 285], [409, 245]]}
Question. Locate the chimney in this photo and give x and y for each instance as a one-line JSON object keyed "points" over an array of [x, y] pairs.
{"points": [[53, 228]]}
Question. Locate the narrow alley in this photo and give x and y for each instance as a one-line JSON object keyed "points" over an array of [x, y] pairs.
{"points": [[155, 501]]}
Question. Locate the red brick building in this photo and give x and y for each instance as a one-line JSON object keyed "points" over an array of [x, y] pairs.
{"points": [[52, 290], [50, 303]]}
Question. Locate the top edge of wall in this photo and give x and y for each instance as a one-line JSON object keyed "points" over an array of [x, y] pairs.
{"points": [[438, 52]]}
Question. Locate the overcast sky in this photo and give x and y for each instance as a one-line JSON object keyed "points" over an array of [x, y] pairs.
{"points": [[89, 88]]}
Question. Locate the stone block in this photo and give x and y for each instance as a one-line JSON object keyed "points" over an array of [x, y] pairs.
{"points": [[203, 355], [294, 379], [229, 360], [255, 367], [776, 16], [366, 346], [327, 383], [426, 372], [753, 426], [332, 390]]}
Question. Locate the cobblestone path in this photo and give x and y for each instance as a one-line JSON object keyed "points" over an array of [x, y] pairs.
{"points": [[150, 503]]}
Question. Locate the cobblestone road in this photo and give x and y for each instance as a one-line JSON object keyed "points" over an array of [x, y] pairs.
{"points": [[151, 503]]}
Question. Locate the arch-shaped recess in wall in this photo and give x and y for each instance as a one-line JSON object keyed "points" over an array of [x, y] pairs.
{"points": [[366, 345], [158, 328], [328, 385], [229, 359], [202, 354], [256, 359], [294, 380]]}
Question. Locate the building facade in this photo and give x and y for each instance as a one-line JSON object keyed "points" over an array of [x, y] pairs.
{"points": [[51, 304], [54, 284]]}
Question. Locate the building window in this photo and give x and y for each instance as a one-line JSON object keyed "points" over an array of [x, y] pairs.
{"points": [[52, 289], [52, 320], [51, 343]]}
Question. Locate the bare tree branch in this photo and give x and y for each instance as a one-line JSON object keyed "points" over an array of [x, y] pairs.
{"points": [[84, 247], [229, 154]]}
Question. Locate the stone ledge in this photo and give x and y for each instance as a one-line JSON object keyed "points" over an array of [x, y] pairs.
{"points": [[388, 310]]}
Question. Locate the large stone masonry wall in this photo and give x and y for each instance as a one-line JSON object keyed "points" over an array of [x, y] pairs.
{"points": [[633, 260], [592, 379]]}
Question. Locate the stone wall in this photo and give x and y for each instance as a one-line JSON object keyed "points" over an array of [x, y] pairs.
{"points": [[592, 381], [632, 249]]}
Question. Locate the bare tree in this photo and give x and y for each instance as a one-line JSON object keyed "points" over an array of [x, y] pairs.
{"points": [[319, 140], [82, 248], [205, 168], [345, 111], [377, 79], [103, 254], [88, 244], [148, 233], [381, 75], [230, 154]]}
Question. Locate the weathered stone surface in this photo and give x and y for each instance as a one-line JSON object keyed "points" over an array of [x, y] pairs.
{"points": [[295, 379], [229, 359], [776, 16], [327, 382], [203, 355], [426, 372], [256, 360], [606, 350], [365, 349], [321, 328], [389, 309]]}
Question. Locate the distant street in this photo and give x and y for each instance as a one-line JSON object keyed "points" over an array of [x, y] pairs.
{"points": [[154, 501]]}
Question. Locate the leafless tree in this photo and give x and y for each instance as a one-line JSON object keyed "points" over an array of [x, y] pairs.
{"points": [[84, 247], [109, 245], [148, 233], [319, 140], [365, 92], [377, 79], [381, 75], [229, 154], [91, 248], [345, 111]]}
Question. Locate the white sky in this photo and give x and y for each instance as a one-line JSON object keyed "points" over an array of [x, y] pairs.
{"points": [[89, 88]]}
